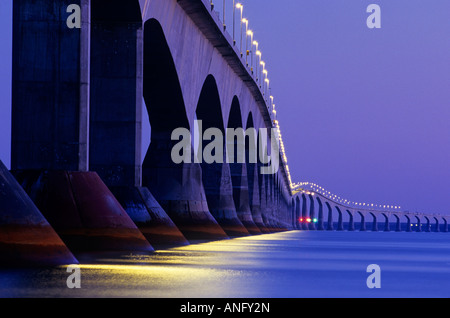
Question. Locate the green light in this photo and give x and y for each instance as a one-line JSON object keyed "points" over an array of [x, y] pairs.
{"points": [[315, 220]]}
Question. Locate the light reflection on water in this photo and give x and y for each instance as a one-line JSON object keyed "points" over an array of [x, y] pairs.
{"points": [[291, 264]]}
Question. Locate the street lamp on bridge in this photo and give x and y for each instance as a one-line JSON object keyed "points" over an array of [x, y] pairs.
{"points": [[243, 21], [258, 54], [240, 7], [263, 64], [250, 34]]}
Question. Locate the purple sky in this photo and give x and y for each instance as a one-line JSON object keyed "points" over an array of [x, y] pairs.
{"points": [[364, 113]]}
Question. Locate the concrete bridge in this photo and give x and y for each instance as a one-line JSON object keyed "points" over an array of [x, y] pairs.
{"points": [[77, 114], [77, 122], [315, 211]]}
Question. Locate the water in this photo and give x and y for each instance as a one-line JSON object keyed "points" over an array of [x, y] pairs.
{"points": [[283, 265]]}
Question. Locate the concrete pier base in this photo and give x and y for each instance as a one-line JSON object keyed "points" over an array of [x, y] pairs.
{"points": [[83, 211], [219, 194], [149, 216], [26, 238]]}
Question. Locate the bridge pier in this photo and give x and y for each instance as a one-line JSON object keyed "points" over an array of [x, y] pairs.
{"points": [[312, 213], [180, 192], [55, 117], [340, 220], [241, 197], [320, 226], [305, 213], [262, 182], [445, 225], [386, 223], [408, 225], [83, 211], [398, 227], [298, 213], [26, 237], [253, 189], [374, 223], [419, 225], [363, 222], [330, 226], [149, 217], [351, 224], [437, 224], [428, 226]]}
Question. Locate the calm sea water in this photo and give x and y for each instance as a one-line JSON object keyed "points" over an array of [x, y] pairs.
{"points": [[284, 265]]}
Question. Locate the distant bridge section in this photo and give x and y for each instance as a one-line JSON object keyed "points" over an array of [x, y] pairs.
{"points": [[315, 211]]}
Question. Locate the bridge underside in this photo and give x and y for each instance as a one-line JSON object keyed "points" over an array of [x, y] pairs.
{"points": [[78, 102]]}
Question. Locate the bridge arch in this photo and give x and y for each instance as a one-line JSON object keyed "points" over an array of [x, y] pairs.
{"points": [[374, 222], [320, 225], [386, 223], [340, 219], [351, 223], [263, 188], [312, 212], [408, 223], [298, 214], [428, 224], [216, 174], [177, 187], [445, 229], [437, 225], [292, 211], [362, 227], [238, 167], [398, 227], [419, 223], [330, 225], [253, 176], [305, 212]]}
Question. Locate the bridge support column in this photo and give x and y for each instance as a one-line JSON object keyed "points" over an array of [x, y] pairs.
{"points": [[340, 220], [50, 87], [363, 222], [419, 225], [428, 226], [374, 224], [398, 227], [445, 229], [351, 224], [408, 225], [255, 200], [263, 201], [386, 223], [312, 213], [26, 238], [437, 225], [219, 194], [241, 196], [149, 216], [52, 114], [305, 213], [83, 211], [116, 90], [321, 226], [180, 192], [330, 226]]}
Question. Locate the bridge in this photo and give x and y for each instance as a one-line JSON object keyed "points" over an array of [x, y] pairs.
{"points": [[310, 200], [77, 182]]}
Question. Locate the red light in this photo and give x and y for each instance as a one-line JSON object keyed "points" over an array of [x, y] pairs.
{"points": [[308, 220], [301, 220]]}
